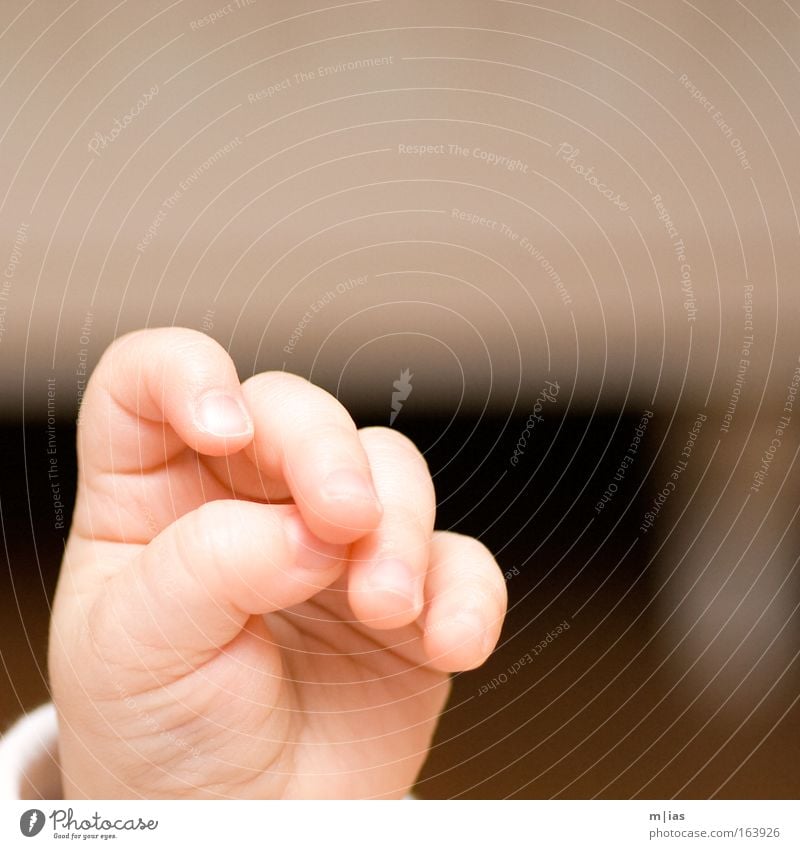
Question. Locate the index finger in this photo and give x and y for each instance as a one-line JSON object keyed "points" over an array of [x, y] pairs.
{"points": [[305, 437]]}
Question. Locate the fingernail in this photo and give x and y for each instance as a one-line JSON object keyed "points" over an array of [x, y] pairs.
{"points": [[396, 576], [223, 415], [485, 639], [472, 625], [350, 485]]}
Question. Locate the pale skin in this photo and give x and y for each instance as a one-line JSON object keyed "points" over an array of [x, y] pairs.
{"points": [[253, 601]]}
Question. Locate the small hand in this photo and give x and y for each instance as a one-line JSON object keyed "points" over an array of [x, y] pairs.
{"points": [[253, 601]]}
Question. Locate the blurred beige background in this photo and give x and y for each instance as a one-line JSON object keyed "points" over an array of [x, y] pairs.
{"points": [[243, 182]]}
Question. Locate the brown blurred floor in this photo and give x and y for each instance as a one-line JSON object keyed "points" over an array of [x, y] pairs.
{"points": [[593, 714]]}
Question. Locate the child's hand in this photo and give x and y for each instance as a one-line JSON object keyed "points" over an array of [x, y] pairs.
{"points": [[239, 613]]}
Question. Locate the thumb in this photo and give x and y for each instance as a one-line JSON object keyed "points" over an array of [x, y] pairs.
{"points": [[155, 391], [192, 589]]}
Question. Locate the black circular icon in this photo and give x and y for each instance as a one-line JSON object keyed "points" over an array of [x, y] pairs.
{"points": [[31, 822]]}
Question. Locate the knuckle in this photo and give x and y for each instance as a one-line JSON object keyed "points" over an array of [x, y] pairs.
{"points": [[184, 341], [199, 357], [410, 516], [220, 530], [113, 354], [478, 563], [267, 381], [129, 354], [388, 438], [307, 408], [393, 450], [212, 530], [279, 386]]}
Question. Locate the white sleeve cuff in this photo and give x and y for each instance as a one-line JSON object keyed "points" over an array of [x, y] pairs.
{"points": [[29, 757]]}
